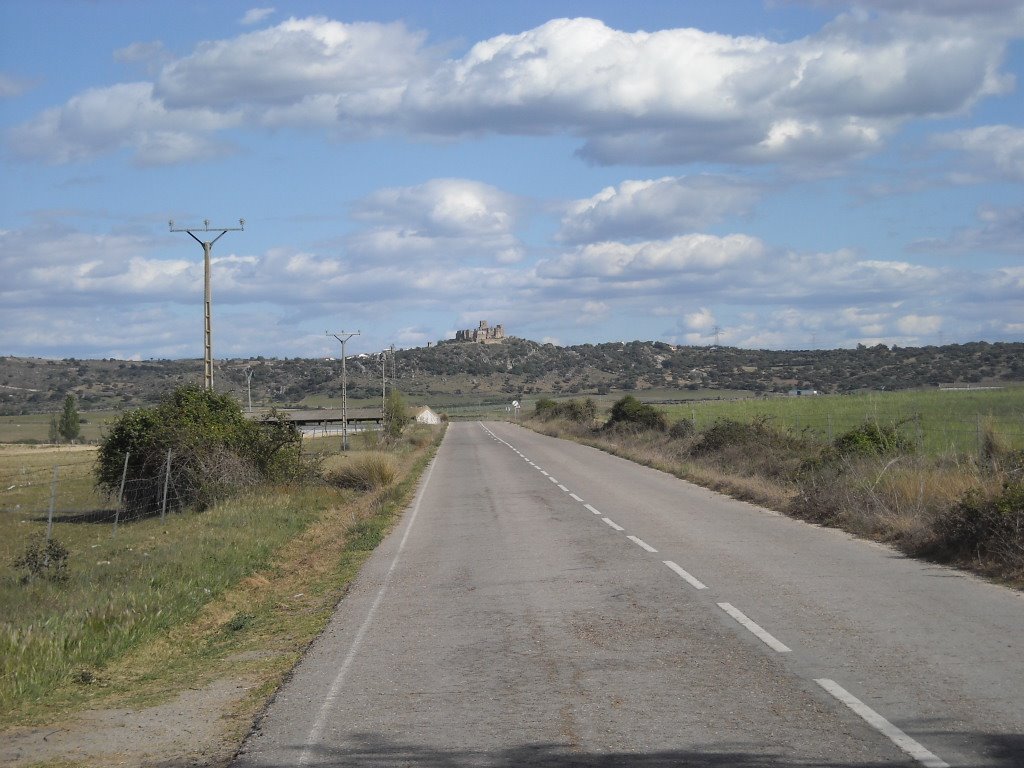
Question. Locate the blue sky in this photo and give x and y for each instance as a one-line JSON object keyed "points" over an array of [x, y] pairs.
{"points": [[784, 174]]}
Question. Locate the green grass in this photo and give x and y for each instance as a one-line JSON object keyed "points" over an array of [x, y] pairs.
{"points": [[939, 421], [36, 426], [123, 590]]}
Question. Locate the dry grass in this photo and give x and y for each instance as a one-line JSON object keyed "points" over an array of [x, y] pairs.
{"points": [[365, 471], [922, 504]]}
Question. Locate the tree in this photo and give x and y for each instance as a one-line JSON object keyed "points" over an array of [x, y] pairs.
{"points": [[215, 450], [68, 425], [54, 430], [396, 414]]}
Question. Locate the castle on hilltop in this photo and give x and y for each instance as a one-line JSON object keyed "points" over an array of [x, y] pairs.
{"points": [[482, 334]]}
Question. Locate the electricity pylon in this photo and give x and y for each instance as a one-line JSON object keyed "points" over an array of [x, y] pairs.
{"points": [[207, 298]]}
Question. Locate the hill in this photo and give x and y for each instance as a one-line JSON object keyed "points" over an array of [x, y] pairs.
{"points": [[454, 371]]}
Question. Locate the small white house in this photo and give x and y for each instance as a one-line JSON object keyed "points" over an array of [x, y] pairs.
{"points": [[803, 392], [424, 415]]}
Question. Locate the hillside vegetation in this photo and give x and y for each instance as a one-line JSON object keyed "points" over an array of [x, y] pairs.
{"points": [[515, 368]]}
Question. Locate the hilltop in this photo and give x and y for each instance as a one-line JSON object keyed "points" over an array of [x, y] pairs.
{"points": [[515, 367]]}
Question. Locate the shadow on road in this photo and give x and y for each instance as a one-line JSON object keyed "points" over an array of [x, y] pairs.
{"points": [[374, 751]]}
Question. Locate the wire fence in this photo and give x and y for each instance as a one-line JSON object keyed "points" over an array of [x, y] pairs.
{"points": [[67, 493], [934, 433]]}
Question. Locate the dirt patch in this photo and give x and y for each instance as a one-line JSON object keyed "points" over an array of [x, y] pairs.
{"points": [[199, 727]]}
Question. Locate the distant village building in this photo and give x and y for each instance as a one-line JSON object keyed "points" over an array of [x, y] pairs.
{"points": [[482, 334], [425, 415], [803, 392]]}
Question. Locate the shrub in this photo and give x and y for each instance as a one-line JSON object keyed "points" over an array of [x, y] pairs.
{"points": [[631, 411], [730, 433], [986, 527], [682, 430], [43, 559], [365, 471], [215, 450], [871, 439]]}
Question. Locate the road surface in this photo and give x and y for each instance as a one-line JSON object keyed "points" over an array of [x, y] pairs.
{"points": [[545, 604]]}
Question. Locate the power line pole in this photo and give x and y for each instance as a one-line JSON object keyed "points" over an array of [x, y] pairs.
{"points": [[248, 385], [207, 298], [343, 336], [383, 389]]}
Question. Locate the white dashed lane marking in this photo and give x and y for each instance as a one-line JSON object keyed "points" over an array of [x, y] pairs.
{"points": [[879, 723], [592, 509], [691, 580], [577, 498], [641, 543], [563, 488], [613, 524], [756, 630]]}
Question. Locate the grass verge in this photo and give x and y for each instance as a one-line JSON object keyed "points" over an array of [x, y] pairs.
{"points": [[237, 591]]}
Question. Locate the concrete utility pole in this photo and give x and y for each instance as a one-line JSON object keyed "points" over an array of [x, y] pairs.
{"points": [[383, 388], [343, 336], [248, 385], [207, 298]]}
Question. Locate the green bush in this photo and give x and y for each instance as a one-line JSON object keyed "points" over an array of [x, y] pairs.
{"points": [[43, 559], [730, 433], [215, 450], [871, 439], [581, 411], [682, 429], [986, 528], [630, 411], [365, 471]]}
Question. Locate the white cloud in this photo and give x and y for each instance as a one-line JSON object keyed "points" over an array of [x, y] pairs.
{"points": [[255, 16], [443, 219], [103, 120], [670, 96], [656, 208], [989, 151], [1000, 230], [702, 320], [11, 86]]}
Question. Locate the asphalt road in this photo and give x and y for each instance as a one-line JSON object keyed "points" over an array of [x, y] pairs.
{"points": [[546, 604]]}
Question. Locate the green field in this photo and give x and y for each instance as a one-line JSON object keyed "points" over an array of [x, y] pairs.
{"points": [[35, 427], [940, 422]]}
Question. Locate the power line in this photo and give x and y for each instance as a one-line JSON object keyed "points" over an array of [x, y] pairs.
{"points": [[207, 298], [343, 336]]}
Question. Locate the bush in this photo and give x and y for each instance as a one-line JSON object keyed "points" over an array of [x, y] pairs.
{"points": [[365, 471], [580, 411], [986, 528], [871, 439], [682, 430], [729, 433], [43, 559], [630, 411], [215, 450]]}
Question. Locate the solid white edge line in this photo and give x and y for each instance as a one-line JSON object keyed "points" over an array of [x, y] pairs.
{"points": [[913, 748], [641, 543], [691, 580], [613, 524], [316, 732], [577, 498], [587, 506], [761, 634]]}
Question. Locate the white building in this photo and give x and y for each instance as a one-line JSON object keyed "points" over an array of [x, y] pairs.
{"points": [[424, 415]]}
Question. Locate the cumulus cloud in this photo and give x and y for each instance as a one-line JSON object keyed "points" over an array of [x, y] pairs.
{"points": [[125, 116], [655, 208], [442, 219], [999, 230], [669, 96], [255, 16], [989, 152]]}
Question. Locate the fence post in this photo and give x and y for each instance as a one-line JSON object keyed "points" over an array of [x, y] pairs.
{"points": [[167, 478], [53, 503], [981, 442], [828, 419], [120, 493]]}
